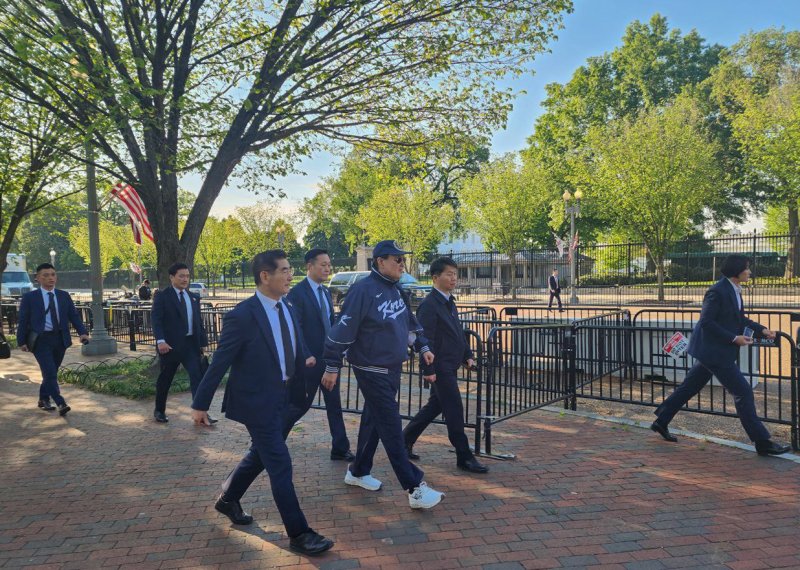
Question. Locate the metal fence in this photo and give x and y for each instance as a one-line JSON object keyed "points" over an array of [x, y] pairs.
{"points": [[624, 274]]}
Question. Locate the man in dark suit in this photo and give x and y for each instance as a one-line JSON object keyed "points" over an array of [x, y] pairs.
{"points": [[263, 346], [145, 294], [314, 308], [47, 312], [715, 343], [555, 290], [180, 335], [438, 316]]}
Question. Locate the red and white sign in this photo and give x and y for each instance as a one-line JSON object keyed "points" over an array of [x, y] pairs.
{"points": [[676, 346]]}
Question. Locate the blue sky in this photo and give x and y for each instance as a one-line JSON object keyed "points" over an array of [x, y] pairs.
{"points": [[594, 27]]}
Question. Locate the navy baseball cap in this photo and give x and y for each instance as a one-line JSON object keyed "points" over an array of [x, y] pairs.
{"points": [[387, 247]]}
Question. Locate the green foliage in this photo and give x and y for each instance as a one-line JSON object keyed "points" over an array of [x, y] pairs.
{"points": [[408, 213], [647, 71], [220, 246], [117, 248], [655, 173], [134, 379]]}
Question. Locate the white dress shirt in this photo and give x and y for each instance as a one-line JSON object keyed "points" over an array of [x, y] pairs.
{"points": [[48, 318], [271, 308], [315, 289]]}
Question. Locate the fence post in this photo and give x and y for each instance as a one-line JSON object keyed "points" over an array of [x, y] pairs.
{"points": [[569, 372], [795, 405], [132, 329]]}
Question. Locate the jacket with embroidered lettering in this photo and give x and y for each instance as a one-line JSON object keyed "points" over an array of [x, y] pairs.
{"points": [[375, 328]]}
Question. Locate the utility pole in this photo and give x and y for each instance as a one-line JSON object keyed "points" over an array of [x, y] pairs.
{"points": [[101, 343]]}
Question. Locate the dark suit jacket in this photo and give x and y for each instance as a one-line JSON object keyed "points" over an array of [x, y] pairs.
{"points": [[306, 308], [168, 319], [444, 333], [32, 314], [254, 392], [554, 284], [720, 321]]}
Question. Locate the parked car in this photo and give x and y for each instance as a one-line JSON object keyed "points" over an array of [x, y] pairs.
{"points": [[199, 288], [341, 282]]}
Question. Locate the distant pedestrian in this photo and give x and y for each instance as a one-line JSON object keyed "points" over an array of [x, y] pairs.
{"points": [[376, 328], [439, 318], [145, 293], [555, 290], [180, 335], [44, 318], [715, 343]]}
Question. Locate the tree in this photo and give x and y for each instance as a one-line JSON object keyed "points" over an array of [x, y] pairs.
{"points": [[654, 174], [117, 248], [32, 173], [649, 69], [505, 204], [264, 229], [47, 229], [409, 214], [174, 87], [758, 87], [220, 245], [334, 243]]}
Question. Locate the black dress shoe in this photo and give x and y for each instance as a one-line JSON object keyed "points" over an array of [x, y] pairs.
{"points": [[664, 431], [346, 456], [233, 510], [411, 455], [310, 543], [63, 409], [46, 405], [769, 447], [160, 417], [473, 466], [212, 420]]}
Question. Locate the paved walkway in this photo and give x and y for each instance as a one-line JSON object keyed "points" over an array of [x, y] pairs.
{"points": [[106, 487]]}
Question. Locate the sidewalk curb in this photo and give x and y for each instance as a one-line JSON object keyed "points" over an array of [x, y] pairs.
{"points": [[793, 457]]}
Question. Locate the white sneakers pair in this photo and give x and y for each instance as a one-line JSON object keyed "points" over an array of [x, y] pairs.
{"points": [[422, 497]]}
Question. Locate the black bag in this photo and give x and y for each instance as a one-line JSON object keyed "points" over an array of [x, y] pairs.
{"points": [[5, 348], [31, 339]]}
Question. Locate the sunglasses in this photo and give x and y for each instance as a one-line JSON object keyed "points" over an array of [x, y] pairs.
{"points": [[400, 260]]}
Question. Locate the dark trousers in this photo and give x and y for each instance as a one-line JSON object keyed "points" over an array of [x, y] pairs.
{"points": [[557, 296], [380, 421], [187, 354], [301, 401], [268, 451], [445, 399], [49, 353], [734, 382]]}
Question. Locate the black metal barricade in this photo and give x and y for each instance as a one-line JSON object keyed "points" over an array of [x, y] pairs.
{"points": [[413, 394]]}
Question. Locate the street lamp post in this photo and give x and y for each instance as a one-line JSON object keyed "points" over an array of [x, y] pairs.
{"points": [[280, 230], [53, 257], [573, 209], [101, 342]]}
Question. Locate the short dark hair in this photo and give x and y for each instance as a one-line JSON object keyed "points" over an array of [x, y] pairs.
{"points": [[555, 268], [44, 266], [175, 267], [146, 281], [440, 263], [733, 265], [312, 254], [266, 261]]}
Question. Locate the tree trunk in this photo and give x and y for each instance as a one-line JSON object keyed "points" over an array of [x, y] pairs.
{"points": [[793, 254], [660, 276]]}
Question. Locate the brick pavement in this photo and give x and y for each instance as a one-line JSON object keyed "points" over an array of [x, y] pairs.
{"points": [[106, 487]]}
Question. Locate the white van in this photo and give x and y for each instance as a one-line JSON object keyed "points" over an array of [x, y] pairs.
{"points": [[16, 281]]}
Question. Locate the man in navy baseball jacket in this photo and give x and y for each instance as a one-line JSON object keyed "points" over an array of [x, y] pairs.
{"points": [[375, 328]]}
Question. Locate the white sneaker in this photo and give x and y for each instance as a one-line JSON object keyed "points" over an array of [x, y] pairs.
{"points": [[423, 497], [367, 482]]}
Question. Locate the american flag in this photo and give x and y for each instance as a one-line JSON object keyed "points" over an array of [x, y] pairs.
{"points": [[133, 204], [137, 234]]}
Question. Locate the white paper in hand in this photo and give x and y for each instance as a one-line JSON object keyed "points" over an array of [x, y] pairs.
{"points": [[676, 346]]}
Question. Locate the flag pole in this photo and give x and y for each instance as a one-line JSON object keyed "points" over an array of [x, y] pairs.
{"points": [[100, 343]]}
